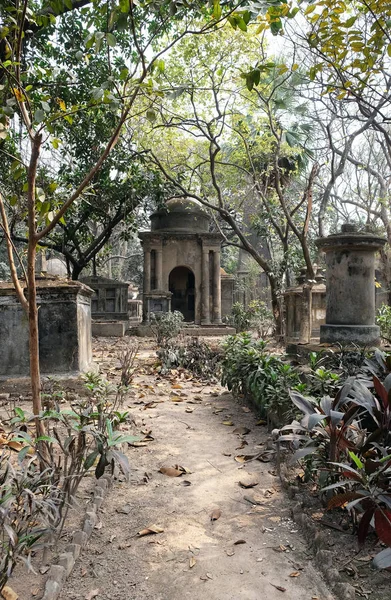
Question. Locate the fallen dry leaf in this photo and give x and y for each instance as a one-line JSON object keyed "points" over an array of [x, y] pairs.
{"points": [[177, 386], [192, 562], [14, 446], [8, 593], [185, 483], [226, 454], [246, 409], [92, 594], [206, 577], [228, 423], [242, 445], [294, 574], [170, 471], [189, 410], [242, 458], [44, 569], [280, 548], [261, 422], [149, 530], [176, 399], [215, 514], [248, 485], [183, 470], [239, 542], [279, 587], [242, 430], [230, 552]]}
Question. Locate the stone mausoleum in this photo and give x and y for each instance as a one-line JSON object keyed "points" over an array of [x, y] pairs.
{"points": [[182, 268]]}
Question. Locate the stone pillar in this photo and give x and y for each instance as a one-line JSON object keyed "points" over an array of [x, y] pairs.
{"points": [[205, 312], [216, 287], [350, 287], [147, 270], [159, 268]]}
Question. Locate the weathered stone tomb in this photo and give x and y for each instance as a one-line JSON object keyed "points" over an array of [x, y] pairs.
{"points": [[64, 329], [182, 265]]}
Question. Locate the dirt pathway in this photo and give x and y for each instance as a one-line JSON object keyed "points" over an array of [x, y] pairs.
{"points": [[195, 557]]}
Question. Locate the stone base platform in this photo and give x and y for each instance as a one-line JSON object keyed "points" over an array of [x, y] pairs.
{"points": [[301, 352], [109, 328], [20, 386], [362, 335], [144, 330]]}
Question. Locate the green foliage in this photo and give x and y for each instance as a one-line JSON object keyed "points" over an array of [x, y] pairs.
{"points": [[383, 319], [166, 325], [195, 355], [257, 317], [249, 370], [29, 510], [346, 440], [37, 489]]}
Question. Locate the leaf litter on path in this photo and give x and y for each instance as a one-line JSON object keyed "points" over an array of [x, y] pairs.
{"points": [[150, 530], [215, 514]]}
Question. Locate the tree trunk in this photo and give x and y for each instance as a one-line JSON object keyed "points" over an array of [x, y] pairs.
{"points": [[34, 337], [276, 308], [77, 269], [32, 289]]}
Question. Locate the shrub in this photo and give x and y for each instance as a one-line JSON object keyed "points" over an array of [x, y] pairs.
{"points": [[38, 486], [248, 369], [29, 511], [347, 440], [257, 317], [383, 319], [166, 326], [195, 355]]}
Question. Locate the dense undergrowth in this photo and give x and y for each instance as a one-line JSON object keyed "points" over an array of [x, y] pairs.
{"points": [[335, 415], [40, 476]]}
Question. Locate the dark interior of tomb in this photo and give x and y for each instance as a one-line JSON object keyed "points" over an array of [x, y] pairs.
{"points": [[182, 287]]}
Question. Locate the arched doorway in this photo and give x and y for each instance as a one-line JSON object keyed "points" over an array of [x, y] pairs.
{"points": [[181, 284]]}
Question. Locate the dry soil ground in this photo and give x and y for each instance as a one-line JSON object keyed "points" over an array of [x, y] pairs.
{"points": [[252, 551]]}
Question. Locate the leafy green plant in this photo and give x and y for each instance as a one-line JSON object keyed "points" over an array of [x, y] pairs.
{"points": [[365, 489], [347, 440], [248, 369], [383, 319], [29, 511], [166, 326], [256, 316], [323, 381]]}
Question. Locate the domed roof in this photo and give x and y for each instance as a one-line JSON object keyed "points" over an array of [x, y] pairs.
{"points": [[185, 205], [181, 215]]}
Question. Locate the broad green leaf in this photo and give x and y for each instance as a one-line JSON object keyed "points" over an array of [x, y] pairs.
{"points": [[39, 115], [111, 40]]}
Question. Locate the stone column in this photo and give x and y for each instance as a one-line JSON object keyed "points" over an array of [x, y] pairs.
{"points": [[205, 312], [146, 282], [350, 287], [216, 287], [159, 268], [147, 270]]}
